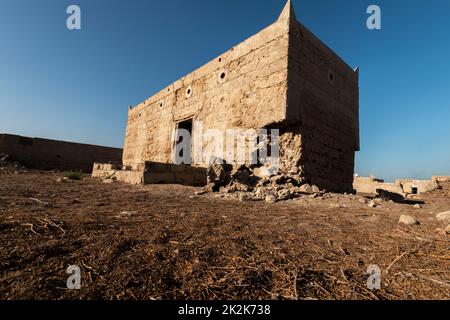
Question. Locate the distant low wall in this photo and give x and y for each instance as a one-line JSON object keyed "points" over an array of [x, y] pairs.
{"points": [[369, 185], [48, 154]]}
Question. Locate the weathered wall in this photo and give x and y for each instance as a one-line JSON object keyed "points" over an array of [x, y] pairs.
{"points": [[251, 94], [59, 155], [422, 186], [323, 102], [369, 185]]}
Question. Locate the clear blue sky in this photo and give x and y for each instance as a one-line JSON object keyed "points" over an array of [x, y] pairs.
{"points": [[77, 85]]}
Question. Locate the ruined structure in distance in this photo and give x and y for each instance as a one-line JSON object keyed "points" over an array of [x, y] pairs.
{"points": [[283, 77]]}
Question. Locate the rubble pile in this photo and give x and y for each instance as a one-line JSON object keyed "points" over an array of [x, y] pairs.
{"points": [[7, 165], [245, 182]]}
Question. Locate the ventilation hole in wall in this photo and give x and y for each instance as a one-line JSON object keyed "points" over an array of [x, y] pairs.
{"points": [[221, 77], [220, 59], [331, 76], [189, 92]]}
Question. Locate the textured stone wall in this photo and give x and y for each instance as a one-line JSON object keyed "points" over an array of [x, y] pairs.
{"points": [[323, 106], [56, 155], [243, 88]]}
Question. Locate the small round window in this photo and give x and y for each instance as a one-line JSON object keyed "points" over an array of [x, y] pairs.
{"points": [[222, 76], [189, 92]]}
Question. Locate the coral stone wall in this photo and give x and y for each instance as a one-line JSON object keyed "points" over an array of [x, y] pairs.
{"points": [[323, 104], [243, 88]]}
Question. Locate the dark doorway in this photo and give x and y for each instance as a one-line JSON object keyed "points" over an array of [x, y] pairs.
{"points": [[415, 190], [183, 148]]}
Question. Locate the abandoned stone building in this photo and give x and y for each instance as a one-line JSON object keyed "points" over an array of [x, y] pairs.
{"points": [[283, 77]]}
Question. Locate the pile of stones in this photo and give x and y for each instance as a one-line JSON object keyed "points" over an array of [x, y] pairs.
{"points": [[242, 181]]}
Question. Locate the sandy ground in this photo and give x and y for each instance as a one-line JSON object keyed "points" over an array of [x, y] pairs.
{"points": [[162, 242]]}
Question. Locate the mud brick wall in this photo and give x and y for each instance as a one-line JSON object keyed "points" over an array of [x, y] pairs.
{"points": [[322, 102], [243, 88], [48, 154]]}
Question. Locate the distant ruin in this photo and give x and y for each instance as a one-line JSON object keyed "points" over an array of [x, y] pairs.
{"points": [[402, 187], [283, 77]]}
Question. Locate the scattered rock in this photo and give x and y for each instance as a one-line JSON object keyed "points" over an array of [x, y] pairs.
{"points": [[218, 175], [284, 195], [270, 199], [447, 229], [408, 220], [417, 206], [199, 193], [306, 188], [243, 197], [362, 201], [108, 181], [315, 189], [444, 217], [372, 204]]}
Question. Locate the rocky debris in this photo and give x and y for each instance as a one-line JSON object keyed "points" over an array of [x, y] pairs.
{"points": [[372, 204], [408, 220], [447, 229], [218, 175], [306, 188], [362, 201], [243, 197], [284, 194], [270, 199], [417, 206], [227, 179], [444, 217]]}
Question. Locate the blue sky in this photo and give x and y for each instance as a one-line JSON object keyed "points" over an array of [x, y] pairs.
{"points": [[77, 85]]}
